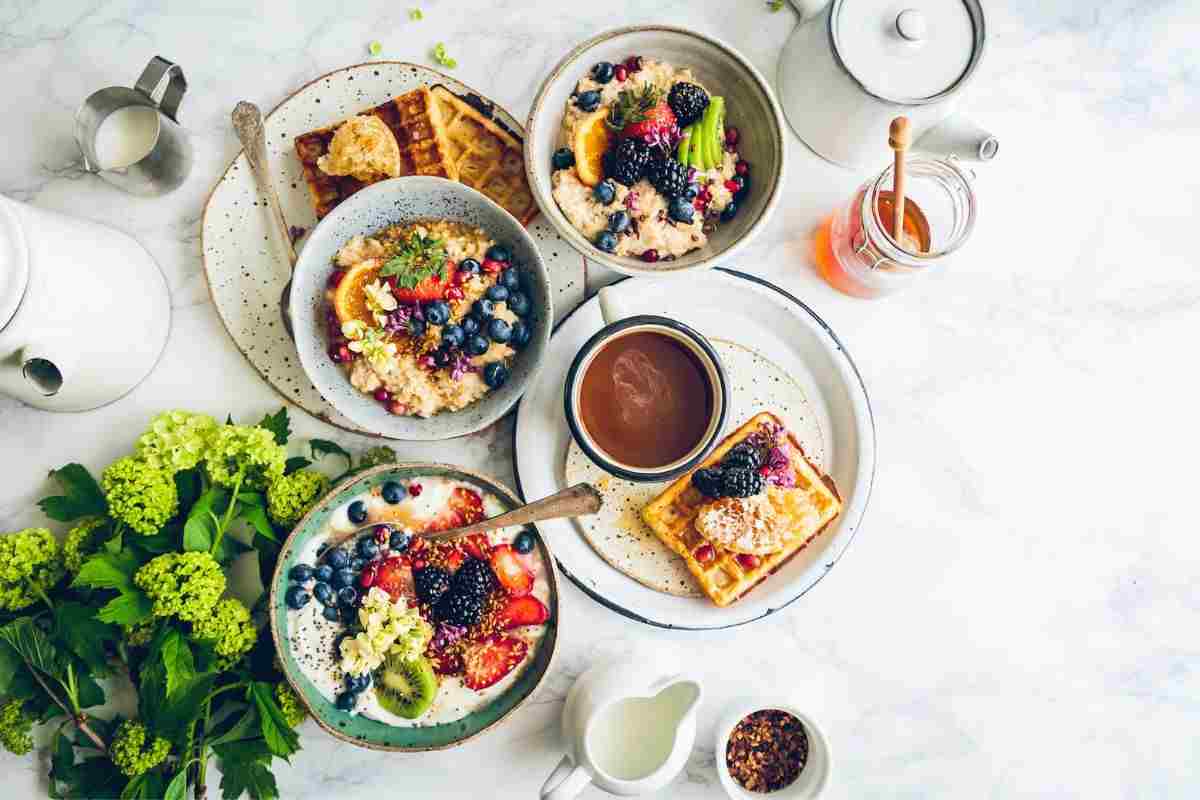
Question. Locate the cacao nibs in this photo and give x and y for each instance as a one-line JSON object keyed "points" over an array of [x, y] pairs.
{"points": [[766, 750]]}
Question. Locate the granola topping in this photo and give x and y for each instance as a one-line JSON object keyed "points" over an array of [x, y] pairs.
{"points": [[767, 750]]}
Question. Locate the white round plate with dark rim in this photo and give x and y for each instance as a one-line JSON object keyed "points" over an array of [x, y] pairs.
{"points": [[401, 200], [750, 107], [755, 314], [245, 267]]}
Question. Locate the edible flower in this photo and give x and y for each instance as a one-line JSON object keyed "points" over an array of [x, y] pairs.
{"points": [[379, 298], [461, 365], [387, 626], [376, 346]]}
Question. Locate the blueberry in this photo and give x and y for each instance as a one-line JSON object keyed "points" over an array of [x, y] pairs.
{"points": [[524, 542], [399, 541], [618, 222], [470, 325], [358, 683], [562, 158], [442, 356], [437, 312], [496, 293], [606, 241], [729, 211], [297, 597], [691, 192], [680, 211], [349, 614], [518, 303], [453, 335], [498, 252], [368, 548], [521, 334], [741, 193], [416, 328], [356, 564], [324, 573], [588, 101], [605, 192], [510, 279], [343, 578], [499, 331], [357, 512], [339, 559], [602, 72], [394, 492], [495, 374], [301, 573], [324, 593], [469, 265], [347, 595], [346, 701], [476, 345], [330, 613], [483, 308]]}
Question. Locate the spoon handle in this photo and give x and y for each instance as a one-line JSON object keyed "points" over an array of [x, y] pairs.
{"points": [[248, 124], [582, 498]]}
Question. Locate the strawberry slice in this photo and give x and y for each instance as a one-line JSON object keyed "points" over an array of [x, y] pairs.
{"points": [[450, 663], [522, 611], [509, 570], [655, 124], [487, 661], [432, 288], [464, 507], [454, 561], [395, 577], [477, 545]]}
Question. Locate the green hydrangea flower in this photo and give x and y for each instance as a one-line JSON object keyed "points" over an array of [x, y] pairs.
{"points": [[289, 703], [290, 497], [376, 456], [176, 440], [15, 726], [184, 585], [28, 558], [130, 751], [229, 629], [139, 495], [247, 451], [81, 542], [140, 634]]}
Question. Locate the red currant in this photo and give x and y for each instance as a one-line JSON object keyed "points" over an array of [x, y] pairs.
{"points": [[742, 168], [335, 278], [731, 136], [383, 395], [620, 73], [650, 256]]}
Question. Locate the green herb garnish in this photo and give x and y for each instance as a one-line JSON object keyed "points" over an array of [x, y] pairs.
{"points": [[419, 258], [632, 106], [416, 15], [439, 55]]}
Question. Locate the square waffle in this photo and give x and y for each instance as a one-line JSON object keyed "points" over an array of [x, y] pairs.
{"points": [[672, 517], [413, 120]]}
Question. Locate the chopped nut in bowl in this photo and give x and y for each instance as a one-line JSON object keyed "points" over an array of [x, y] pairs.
{"points": [[770, 748]]}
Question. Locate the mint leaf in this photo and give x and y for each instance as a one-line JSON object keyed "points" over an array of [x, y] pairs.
{"points": [[279, 424], [129, 608], [177, 660], [419, 258], [34, 646], [83, 497], [280, 738]]}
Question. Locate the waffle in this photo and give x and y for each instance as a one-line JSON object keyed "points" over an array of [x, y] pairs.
{"points": [[672, 517], [413, 120]]}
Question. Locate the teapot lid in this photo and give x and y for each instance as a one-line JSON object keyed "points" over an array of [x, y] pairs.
{"points": [[14, 262], [909, 52]]}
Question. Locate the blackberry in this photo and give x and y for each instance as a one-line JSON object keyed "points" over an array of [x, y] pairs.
{"points": [[626, 163], [688, 101], [743, 455], [474, 579], [431, 583], [741, 482], [668, 176], [708, 482], [459, 609]]}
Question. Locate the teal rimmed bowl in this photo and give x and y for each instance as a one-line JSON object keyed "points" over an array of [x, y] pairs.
{"points": [[357, 729]]}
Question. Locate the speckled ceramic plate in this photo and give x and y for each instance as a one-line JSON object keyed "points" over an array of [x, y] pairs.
{"points": [[245, 269], [357, 729], [775, 337]]}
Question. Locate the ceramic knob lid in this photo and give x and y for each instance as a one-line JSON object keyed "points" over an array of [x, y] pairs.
{"points": [[908, 53], [14, 262]]}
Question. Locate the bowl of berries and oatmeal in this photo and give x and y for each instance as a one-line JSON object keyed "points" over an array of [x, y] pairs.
{"points": [[396, 642], [655, 149], [422, 308]]}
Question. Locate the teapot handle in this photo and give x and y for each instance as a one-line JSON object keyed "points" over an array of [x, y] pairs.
{"points": [[565, 782]]}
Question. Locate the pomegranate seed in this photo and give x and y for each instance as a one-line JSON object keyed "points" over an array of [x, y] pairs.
{"points": [[383, 395], [704, 553], [732, 136], [419, 564], [367, 578], [382, 534], [335, 278], [414, 489], [699, 204], [491, 266], [747, 560], [344, 354], [633, 64], [733, 186], [764, 470], [650, 256], [397, 408], [742, 168], [454, 293], [620, 73]]}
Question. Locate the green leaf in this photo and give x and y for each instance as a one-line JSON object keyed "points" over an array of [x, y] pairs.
{"points": [[147, 786], [83, 497], [108, 571], [189, 483], [183, 707], [235, 727], [10, 664], [295, 464], [91, 693], [254, 511], [419, 258], [280, 738], [34, 646], [278, 424], [177, 788], [129, 608], [76, 626], [177, 661], [247, 777], [323, 447], [201, 525]]}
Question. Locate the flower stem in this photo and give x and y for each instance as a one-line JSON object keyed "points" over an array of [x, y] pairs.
{"points": [[233, 499]]}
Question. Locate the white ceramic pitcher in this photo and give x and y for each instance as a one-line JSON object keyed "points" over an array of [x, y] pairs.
{"points": [[84, 310], [629, 724]]}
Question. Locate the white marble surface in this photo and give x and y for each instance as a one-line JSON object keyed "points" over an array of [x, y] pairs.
{"points": [[1018, 617]]}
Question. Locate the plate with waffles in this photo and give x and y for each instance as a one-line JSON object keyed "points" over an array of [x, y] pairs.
{"points": [[704, 551]]}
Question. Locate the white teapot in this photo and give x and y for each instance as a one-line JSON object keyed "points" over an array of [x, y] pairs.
{"points": [[851, 66], [630, 724], [84, 310]]}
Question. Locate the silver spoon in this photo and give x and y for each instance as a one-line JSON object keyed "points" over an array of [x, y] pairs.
{"points": [[248, 124], [574, 501]]}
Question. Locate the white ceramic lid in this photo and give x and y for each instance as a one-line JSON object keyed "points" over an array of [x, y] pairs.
{"points": [[907, 51], [14, 262]]}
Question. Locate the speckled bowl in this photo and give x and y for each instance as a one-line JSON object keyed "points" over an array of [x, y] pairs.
{"points": [[406, 200], [750, 106]]}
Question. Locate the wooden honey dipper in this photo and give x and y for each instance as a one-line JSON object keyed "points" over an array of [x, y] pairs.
{"points": [[899, 139]]}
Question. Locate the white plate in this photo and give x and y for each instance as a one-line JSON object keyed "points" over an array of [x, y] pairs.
{"points": [[759, 316], [247, 271]]}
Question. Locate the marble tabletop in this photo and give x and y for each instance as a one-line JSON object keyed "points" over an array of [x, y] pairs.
{"points": [[1018, 616]]}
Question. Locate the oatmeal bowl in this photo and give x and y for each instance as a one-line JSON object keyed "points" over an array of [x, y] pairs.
{"points": [[421, 309], [655, 150]]}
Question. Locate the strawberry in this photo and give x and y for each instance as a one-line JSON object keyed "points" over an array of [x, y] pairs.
{"points": [[477, 545], [512, 575], [655, 125], [464, 507], [395, 577], [432, 288], [445, 663], [522, 611], [487, 661], [454, 561]]}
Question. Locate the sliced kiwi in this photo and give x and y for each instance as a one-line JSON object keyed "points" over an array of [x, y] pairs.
{"points": [[685, 144], [405, 688], [695, 150], [713, 133]]}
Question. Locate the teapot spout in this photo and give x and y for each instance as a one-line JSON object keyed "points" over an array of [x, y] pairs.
{"points": [[34, 372], [958, 136]]}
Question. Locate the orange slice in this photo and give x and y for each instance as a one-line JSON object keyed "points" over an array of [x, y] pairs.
{"points": [[592, 138], [349, 299]]}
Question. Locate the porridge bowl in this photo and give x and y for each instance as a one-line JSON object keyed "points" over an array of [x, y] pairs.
{"points": [[421, 309]]}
